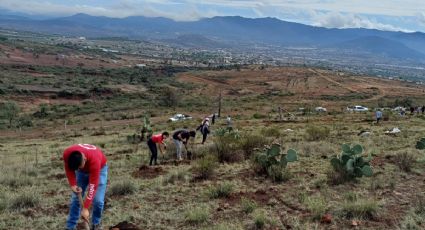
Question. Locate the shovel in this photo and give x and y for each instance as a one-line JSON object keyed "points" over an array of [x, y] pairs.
{"points": [[86, 225]]}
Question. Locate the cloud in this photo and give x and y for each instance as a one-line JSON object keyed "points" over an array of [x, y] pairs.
{"points": [[348, 20], [421, 18], [327, 13]]}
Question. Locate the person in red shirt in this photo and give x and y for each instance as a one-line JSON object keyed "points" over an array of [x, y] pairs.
{"points": [[85, 166], [155, 140]]}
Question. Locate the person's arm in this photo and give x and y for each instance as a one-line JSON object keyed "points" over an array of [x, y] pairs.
{"points": [[94, 176], [70, 175]]}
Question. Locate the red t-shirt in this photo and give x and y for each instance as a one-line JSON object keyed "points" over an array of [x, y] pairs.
{"points": [[158, 138], [94, 163]]}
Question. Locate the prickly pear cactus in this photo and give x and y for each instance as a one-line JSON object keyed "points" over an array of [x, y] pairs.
{"points": [[146, 128], [273, 158], [352, 162]]}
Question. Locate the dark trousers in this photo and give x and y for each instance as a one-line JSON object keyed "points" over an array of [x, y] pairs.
{"points": [[154, 151], [205, 132]]}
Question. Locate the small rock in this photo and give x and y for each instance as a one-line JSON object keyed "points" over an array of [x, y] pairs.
{"points": [[326, 219], [355, 223], [226, 205]]}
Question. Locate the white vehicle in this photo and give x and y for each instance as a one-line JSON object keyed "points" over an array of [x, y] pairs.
{"points": [[320, 109], [180, 117], [357, 108], [399, 109]]}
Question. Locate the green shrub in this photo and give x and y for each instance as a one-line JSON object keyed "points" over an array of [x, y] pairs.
{"points": [[25, 200], [316, 133], [205, 167], [272, 162], [271, 132], [405, 161], [250, 142], [350, 164], [197, 215], [227, 147], [258, 116], [248, 206], [122, 188], [220, 191]]}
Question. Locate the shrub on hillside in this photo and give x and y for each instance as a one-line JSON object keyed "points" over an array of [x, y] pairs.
{"points": [[316, 133], [204, 168], [405, 161]]}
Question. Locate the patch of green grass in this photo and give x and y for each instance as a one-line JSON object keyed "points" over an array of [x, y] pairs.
{"points": [[220, 191], [24, 200], [178, 175], [317, 206], [122, 188], [197, 215], [248, 206], [361, 208], [16, 181]]}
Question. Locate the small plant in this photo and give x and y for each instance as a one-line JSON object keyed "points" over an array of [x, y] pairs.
{"points": [[272, 162], [350, 164], [421, 144], [220, 191], [260, 219], [24, 200], [197, 215], [146, 128], [405, 161], [317, 206], [248, 206], [122, 188], [316, 133], [205, 167]]}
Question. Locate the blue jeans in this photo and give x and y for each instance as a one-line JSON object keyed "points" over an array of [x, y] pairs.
{"points": [[178, 148], [98, 201]]}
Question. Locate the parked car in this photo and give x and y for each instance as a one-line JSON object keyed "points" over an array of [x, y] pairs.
{"points": [[320, 109], [399, 109], [357, 108], [180, 117]]}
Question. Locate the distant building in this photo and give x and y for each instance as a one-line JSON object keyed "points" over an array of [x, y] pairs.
{"points": [[140, 65]]}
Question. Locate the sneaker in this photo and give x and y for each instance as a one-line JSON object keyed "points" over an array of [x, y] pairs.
{"points": [[97, 227]]}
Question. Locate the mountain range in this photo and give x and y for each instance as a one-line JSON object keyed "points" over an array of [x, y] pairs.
{"points": [[228, 31]]}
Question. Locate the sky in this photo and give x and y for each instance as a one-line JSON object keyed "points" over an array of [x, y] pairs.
{"points": [[394, 15]]}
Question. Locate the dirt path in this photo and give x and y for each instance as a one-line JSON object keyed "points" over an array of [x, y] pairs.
{"points": [[333, 81]]}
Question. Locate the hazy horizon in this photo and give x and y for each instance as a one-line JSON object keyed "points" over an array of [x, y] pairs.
{"points": [[408, 16]]}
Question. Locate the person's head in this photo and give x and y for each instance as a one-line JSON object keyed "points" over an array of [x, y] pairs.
{"points": [[165, 135], [192, 133], [76, 160]]}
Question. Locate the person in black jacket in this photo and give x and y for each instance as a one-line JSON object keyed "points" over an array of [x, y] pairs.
{"points": [[181, 137]]}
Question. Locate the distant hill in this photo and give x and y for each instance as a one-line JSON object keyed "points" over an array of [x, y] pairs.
{"points": [[218, 32], [381, 47]]}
